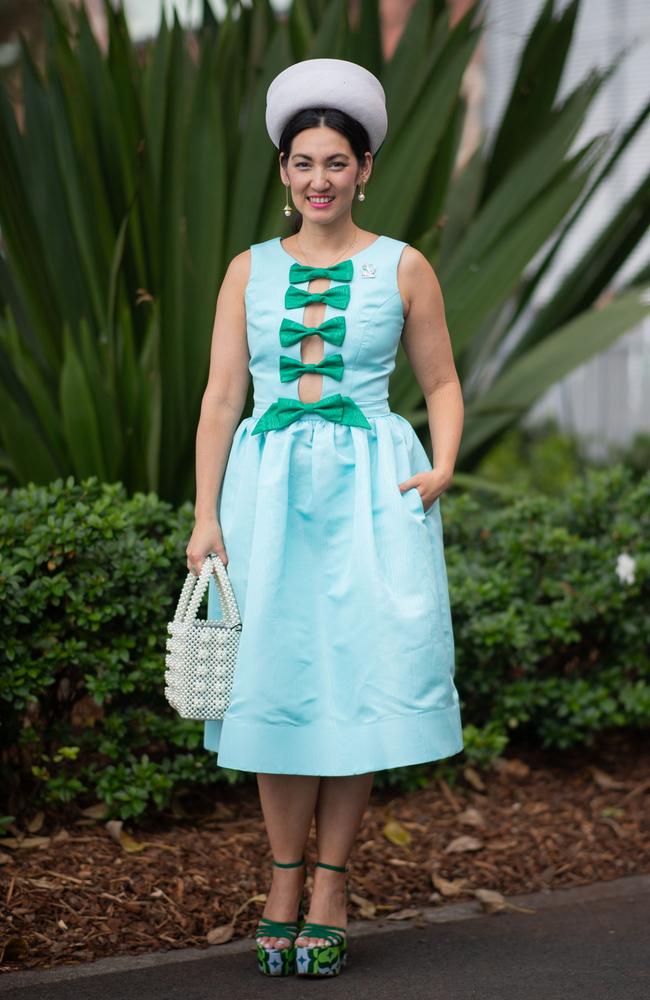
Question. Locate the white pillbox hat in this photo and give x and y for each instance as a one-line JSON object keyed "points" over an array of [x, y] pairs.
{"points": [[328, 83]]}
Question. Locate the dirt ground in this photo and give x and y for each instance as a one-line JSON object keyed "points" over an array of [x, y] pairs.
{"points": [[533, 821]]}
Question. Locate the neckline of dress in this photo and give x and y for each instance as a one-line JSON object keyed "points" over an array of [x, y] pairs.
{"points": [[357, 254]]}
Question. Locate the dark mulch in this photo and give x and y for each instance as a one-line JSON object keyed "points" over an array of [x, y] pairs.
{"points": [[537, 821]]}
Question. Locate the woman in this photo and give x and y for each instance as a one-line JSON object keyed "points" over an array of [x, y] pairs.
{"points": [[327, 513]]}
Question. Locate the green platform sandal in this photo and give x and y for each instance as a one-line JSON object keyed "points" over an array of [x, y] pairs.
{"points": [[280, 961], [322, 959]]}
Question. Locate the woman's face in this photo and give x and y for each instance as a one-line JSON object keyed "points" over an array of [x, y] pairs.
{"points": [[321, 162]]}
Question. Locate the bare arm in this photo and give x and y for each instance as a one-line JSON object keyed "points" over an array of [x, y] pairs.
{"points": [[221, 408], [427, 346]]}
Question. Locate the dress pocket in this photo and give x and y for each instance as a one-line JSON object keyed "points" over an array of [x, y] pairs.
{"points": [[418, 498], [413, 498]]}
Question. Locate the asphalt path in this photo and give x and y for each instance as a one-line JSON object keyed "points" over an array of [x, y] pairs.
{"points": [[587, 943]]}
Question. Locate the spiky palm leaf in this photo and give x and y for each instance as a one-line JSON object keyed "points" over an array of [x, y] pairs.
{"points": [[139, 174]]}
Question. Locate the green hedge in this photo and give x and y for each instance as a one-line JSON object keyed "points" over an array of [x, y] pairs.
{"points": [[552, 647], [552, 643]]}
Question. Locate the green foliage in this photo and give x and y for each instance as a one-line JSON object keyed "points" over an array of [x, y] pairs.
{"points": [[483, 744], [635, 453], [551, 646], [545, 459], [88, 579], [542, 459], [139, 174]]}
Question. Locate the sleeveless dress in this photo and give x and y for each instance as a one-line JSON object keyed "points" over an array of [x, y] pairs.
{"points": [[346, 654]]}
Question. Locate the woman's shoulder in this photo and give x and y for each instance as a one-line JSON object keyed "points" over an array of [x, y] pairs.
{"points": [[415, 276], [239, 269], [412, 261], [245, 260], [244, 266]]}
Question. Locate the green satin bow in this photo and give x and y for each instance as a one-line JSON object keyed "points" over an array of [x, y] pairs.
{"points": [[342, 271], [291, 368], [338, 295], [332, 329], [337, 408]]}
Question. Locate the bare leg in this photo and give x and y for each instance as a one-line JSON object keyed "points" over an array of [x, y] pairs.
{"points": [[288, 802], [340, 807]]}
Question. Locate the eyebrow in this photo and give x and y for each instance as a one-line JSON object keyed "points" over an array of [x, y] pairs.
{"points": [[306, 156]]}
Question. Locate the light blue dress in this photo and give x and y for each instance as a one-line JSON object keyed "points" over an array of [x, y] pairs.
{"points": [[346, 655]]}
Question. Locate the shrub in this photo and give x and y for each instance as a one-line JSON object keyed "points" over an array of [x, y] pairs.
{"points": [[551, 642], [88, 577]]}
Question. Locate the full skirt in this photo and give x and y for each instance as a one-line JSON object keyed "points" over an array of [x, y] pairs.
{"points": [[346, 655]]}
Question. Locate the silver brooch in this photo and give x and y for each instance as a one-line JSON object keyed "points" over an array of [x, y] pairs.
{"points": [[368, 271]]}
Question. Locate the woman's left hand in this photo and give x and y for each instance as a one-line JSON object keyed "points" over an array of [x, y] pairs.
{"points": [[429, 485]]}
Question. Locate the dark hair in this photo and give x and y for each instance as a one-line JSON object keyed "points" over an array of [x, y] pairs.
{"points": [[353, 131]]}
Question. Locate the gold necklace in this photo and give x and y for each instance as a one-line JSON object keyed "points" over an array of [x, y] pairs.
{"points": [[350, 245]]}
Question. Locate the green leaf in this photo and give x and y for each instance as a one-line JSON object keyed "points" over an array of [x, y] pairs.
{"points": [[530, 110], [408, 155], [534, 172], [620, 145], [596, 268], [519, 386], [473, 294], [80, 422]]}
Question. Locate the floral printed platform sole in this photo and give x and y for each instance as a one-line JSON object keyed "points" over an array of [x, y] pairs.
{"points": [[322, 959], [279, 961]]}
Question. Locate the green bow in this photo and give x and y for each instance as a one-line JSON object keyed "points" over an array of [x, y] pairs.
{"points": [[291, 368], [342, 271], [332, 329], [337, 408], [337, 295]]}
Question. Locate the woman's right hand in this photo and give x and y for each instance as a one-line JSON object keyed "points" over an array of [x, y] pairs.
{"points": [[205, 538]]}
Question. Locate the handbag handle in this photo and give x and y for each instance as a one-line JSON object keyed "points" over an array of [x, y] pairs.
{"points": [[195, 586]]}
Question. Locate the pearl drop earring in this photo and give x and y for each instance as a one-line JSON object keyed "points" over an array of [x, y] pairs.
{"points": [[361, 196], [287, 208]]}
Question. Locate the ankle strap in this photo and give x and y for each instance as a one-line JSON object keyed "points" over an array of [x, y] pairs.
{"points": [[334, 868], [289, 864]]}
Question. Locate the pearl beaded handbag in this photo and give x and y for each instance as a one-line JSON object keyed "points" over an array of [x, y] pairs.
{"points": [[201, 654]]}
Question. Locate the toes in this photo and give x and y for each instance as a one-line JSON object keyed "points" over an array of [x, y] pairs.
{"points": [[278, 943]]}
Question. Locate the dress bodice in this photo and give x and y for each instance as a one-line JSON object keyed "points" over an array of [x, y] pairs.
{"points": [[361, 325]]}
